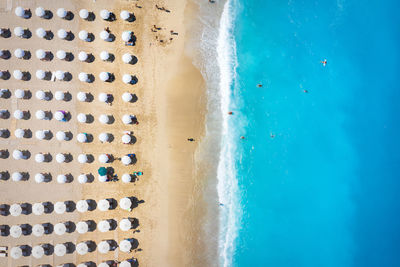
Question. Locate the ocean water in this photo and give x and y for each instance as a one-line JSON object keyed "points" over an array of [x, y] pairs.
{"points": [[316, 180]]}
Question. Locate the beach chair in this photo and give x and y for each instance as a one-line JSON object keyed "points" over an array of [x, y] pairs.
{"points": [[3, 254]]}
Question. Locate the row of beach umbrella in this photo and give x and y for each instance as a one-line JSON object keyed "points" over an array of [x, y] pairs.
{"points": [[61, 75], [62, 178], [62, 115], [41, 157], [61, 207], [127, 137], [64, 96], [82, 227], [68, 15], [81, 248], [105, 35], [47, 55]]}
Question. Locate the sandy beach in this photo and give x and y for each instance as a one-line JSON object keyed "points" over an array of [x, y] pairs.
{"points": [[170, 108]]}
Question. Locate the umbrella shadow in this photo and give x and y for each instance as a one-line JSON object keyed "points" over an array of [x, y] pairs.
{"points": [[5, 175], [6, 94], [71, 206], [49, 35], [68, 77], [69, 57], [70, 36], [90, 178], [48, 207], [69, 16], [5, 133], [92, 206], [6, 33], [70, 226], [6, 75], [26, 76], [5, 209], [5, 114], [5, 230], [67, 96], [27, 55]]}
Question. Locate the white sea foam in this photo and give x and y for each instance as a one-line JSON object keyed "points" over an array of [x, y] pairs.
{"points": [[228, 191]]}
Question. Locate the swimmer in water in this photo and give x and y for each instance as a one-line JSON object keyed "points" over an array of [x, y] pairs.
{"points": [[259, 85], [272, 135], [305, 91], [324, 62]]}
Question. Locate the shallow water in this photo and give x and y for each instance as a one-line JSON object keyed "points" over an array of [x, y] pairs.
{"points": [[315, 181]]}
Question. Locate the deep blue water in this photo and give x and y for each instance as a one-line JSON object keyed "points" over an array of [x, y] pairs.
{"points": [[324, 191]]}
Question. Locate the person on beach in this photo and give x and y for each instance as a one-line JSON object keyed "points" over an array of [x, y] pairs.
{"points": [[190, 139]]}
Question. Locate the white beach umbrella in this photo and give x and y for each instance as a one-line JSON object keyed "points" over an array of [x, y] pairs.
{"points": [[125, 225], [104, 226], [82, 178], [103, 205], [104, 55], [41, 134], [127, 58], [60, 158], [82, 158], [102, 178], [61, 179], [18, 114], [61, 54], [103, 158], [19, 133], [104, 76], [83, 35], [17, 154], [39, 177], [59, 95], [104, 264], [38, 230], [126, 36], [60, 75], [61, 136], [39, 158], [82, 206], [81, 96], [15, 231], [40, 54], [81, 117], [62, 34], [19, 11], [40, 32], [38, 208], [40, 115], [103, 247], [127, 78], [60, 229], [19, 93], [60, 250], [18, 75], [103, 97], [61, 12], [104, 119], [125, 15], [15, 210], [16, 253], [125, 203], [83, 56], [16, 176], [125, 246], [84, 13], [19, 31], [82, 248], [41, 95], [60, 207], [83, 77], [40, 74], [82, 138], [126, 160], [40, 12], [127, 119], [125, 264], [82, 227], [104, 137], [126, 139], [104, 35], [19, 53], [105, 14], [37, 252], [126, 178], [127, 97], [58, 115]]}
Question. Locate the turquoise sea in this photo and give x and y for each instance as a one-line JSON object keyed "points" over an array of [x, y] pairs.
{"points": [[316, 180]]}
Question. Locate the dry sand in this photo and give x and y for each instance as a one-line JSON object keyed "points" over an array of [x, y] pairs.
{"points": [[170, 109]]}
